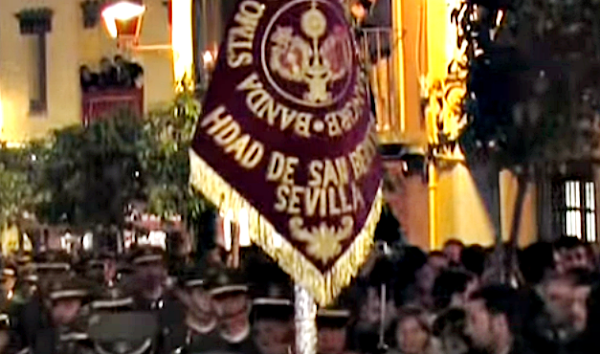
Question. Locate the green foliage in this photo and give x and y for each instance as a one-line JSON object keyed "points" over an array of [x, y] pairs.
{"points": [[18, 192], [532, 92], [92, 173], [87, 176], [168, 135], [14, 193]]}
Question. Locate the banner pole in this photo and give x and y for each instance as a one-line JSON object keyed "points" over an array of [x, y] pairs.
{"points": [[306, 321]]}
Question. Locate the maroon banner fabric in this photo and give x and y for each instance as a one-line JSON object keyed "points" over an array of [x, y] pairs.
{"points": [[287, 135]]}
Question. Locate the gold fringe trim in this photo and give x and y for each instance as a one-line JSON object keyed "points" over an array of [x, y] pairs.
{"points": [[324, 287]]}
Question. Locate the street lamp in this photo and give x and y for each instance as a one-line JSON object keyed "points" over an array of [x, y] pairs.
{"points": [[123, 20]]}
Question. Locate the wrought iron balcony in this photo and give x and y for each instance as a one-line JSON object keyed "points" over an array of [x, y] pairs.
{"points": [[378, 53]]}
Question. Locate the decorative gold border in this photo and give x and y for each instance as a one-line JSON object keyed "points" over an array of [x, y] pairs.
{"points": [[324, 287]]}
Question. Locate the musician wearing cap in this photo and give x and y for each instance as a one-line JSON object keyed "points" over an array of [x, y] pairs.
{"points": [[200, 318], [273, 325], [151, 292], [333, 325], [101, 268], [218, 314], [49, 265], [57, 322], [149, 277], [27, 310]]}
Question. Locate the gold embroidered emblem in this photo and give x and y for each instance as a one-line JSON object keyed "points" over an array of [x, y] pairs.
{"points": [[323, 242], [317, 62]]}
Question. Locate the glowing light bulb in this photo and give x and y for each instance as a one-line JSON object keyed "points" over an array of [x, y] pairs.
{"points": [[120, 11]]}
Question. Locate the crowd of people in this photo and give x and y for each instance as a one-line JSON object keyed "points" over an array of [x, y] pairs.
{"points": [[443, 302], [455, 301], [116, 74]]}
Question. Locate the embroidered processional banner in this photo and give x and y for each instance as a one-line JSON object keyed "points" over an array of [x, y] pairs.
{"points": [[287, 142]]}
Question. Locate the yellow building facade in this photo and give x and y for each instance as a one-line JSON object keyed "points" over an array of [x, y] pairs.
{"points": [[449, 197], [68, 45]]}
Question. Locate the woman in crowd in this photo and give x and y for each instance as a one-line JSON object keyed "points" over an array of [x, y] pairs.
{"points": [[412, 333]]}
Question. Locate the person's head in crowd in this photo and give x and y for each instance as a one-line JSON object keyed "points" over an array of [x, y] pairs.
{"points": [[273, 325], [27, 282], [424, 284], [557, 291], [411, 283], [572, 253], [65, 297], [449, 327], [412, 332], [370, 309], [359, 9], [493, 319], [452, 288], [473, 259], [437, 261], [106, 66], [51, 264], [229, 291], [412, 260], [101, 267], [150, 271], [582, 281], [200, 314], [453, 249], [536, 261], [119, 60], [332, 325], [86, 75]]}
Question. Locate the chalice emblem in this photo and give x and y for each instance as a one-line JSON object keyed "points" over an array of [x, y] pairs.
{"points": [[316, 57]]}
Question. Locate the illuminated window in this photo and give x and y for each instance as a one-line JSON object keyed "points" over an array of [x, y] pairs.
{"points": [[578, 209]]}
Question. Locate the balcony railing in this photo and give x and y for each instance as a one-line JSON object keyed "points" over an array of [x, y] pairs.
{"points": [[379, 51], [101, 104]]}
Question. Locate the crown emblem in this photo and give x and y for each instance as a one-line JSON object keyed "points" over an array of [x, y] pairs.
{"points": [[314, 57]]}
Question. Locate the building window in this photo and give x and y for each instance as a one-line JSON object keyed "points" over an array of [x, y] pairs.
{"points": [[210, 21], [577, 211], [36, 24]]}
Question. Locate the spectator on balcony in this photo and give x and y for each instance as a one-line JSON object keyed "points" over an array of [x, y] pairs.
{"points": [[108, 74], [136, 72], [374, 20], [128, 73], [122, 76], [88, 79]]}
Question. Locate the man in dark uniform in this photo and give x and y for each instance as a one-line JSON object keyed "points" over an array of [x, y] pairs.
{"points": [[28, 311], [149, 277], [152, 293], [226, 295], [332, 324], [273, 325], [49, 265], [60, 310]]}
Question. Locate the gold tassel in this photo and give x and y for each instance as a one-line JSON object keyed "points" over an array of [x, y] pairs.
{"points": [[324, 287]]}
